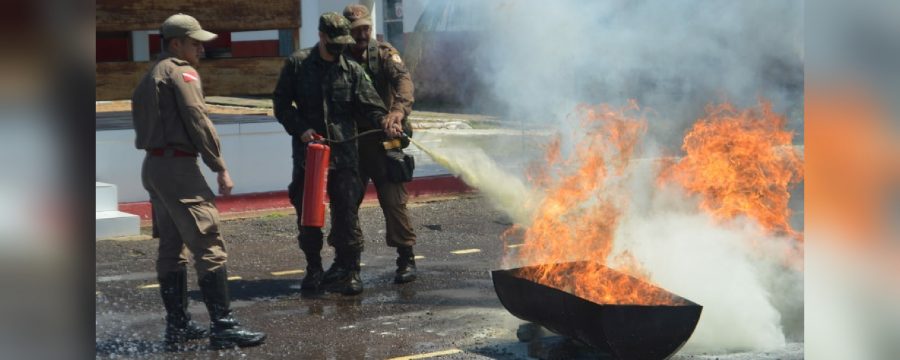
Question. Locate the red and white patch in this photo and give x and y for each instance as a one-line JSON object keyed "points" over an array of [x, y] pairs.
{"points": [[189, 76]]}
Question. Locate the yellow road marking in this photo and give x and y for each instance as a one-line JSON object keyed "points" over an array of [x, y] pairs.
{"points": [[287, 272], [153, 286], [419, 257], [513, 246], [465, 251], [428, 355]]}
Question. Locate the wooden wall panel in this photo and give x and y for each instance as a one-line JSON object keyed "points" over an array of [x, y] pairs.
{"points": [[221, 77], [230, 15]]}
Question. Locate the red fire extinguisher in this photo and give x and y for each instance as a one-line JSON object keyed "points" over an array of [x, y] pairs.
{"points": [[314, 183]]}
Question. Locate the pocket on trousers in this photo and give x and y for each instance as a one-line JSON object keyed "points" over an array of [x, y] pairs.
{"points": [[205, 214]]}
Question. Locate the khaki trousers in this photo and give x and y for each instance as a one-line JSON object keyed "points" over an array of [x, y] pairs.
{"points": [[185, 214], [392, 196]]}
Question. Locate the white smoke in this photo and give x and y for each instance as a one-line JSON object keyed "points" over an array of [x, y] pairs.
{"points": [[739, 284], [504, 190], [673, 56]]}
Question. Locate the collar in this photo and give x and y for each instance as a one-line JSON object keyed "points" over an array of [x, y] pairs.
{"points": [[164, 55]]}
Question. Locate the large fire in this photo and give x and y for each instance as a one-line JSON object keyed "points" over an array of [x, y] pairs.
{"points": [[741, 162], [580, 210]]}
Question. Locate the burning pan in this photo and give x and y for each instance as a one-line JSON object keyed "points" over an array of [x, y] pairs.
{"points": [[625, 331]]}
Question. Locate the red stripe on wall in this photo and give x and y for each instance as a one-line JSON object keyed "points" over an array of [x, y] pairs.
{"points": [[257, 48], [112, 48], [419, 187]]}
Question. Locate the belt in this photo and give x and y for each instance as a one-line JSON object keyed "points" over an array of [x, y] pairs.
{"points": [[170, 153]]}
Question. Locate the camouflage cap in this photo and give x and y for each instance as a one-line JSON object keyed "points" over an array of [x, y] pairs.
{"points": [[358, 15], [336, 27], [181, 25]]}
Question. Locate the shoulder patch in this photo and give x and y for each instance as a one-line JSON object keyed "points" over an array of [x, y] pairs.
{"points": [[189, 76]]}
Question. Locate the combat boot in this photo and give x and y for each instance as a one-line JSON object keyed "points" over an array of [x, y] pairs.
{"points": [[313, 279], [406, 265], [225, 331], [348, 281], [314, 272], [179, 326], [335, 272]]}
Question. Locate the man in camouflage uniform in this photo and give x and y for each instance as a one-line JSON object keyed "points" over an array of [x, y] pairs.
{"points": [[391, 79], [171, 124], [320, 92]]}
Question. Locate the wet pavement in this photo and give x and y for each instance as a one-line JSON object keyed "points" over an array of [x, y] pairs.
{"points": [[450, 311]]}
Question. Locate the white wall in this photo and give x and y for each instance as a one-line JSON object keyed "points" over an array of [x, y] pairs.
{"points": [[254, 35], [258, 157], [311, 10]]}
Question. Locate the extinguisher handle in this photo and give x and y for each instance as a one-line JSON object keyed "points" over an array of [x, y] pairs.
{"points": [[317, 137]]}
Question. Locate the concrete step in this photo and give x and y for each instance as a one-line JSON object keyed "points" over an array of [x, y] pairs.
{"points": [[117, 223], [107, 198], [110, 221]]}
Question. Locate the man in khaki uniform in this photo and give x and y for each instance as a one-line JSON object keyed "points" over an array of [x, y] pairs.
{"points": [[171, 124], [395, 87]]}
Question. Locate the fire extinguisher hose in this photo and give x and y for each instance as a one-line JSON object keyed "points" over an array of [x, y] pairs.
{"points": [[364, 133]]}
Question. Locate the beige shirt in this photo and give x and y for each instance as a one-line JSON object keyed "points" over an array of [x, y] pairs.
{"points": [[168, 111]]}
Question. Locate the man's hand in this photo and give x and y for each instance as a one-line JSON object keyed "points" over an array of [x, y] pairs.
{"points": [[308, 135], [392, 130], [225, 183], [395, 117]]}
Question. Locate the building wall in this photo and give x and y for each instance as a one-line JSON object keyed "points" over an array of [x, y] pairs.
{"points": [[258, 156], [243, 146], [312, 9]]}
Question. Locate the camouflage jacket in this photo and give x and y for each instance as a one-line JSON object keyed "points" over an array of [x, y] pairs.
{"points": [[328, 97]]}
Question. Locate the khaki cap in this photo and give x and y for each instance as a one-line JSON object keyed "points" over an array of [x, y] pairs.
{"points": [[181, 25], [358, 15]]}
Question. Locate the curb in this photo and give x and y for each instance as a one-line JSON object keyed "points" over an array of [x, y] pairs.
{"points": [[419, 187]]}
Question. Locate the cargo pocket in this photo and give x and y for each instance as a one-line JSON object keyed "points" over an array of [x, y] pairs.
{"points": [[205, 214]]}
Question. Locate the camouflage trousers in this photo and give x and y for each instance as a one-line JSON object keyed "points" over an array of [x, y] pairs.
{"points": [[344, 191]]}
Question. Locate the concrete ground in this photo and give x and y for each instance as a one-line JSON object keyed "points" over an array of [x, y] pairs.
{"points": [[451, 311]]}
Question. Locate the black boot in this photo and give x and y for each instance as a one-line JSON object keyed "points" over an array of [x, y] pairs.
{"points": [[347, 280], [406, 265], [314, 272], [179, 327], [225, 330], [336, 272]]}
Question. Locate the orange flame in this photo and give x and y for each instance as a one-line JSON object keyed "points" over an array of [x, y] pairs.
{"points": [[580, 211], [741, 162]]}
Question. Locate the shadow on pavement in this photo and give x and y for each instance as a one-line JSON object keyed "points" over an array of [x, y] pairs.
{"points": [[254, 289]]}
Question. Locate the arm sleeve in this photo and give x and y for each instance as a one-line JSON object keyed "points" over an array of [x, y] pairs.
{"points": [[199, 128], [401, 82], [283, 100]]}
